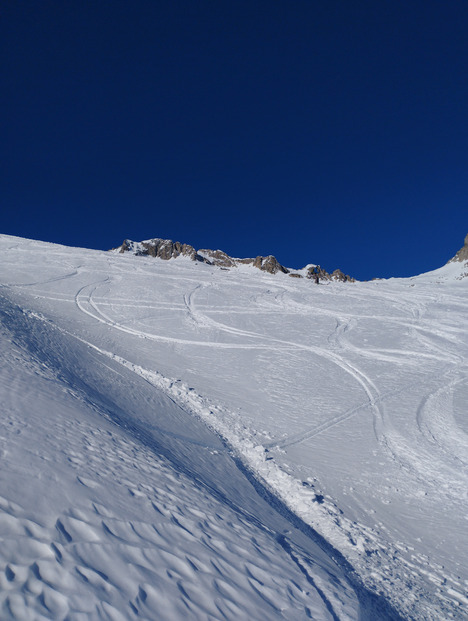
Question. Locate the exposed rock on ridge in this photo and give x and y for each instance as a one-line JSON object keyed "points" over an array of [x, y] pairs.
{"points": [[161, 248], [167, 249], [269, 264], [462, 254], [217, 257]]}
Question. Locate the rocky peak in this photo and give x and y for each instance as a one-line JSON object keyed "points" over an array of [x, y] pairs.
{"points": [[462, 254], [162, 248], [317, 273], [269, 264], [217, 257], [167, 249], [339, 275]]}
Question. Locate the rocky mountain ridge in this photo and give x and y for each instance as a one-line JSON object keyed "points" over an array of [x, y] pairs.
{"points": [[167, 249], [462, 254]]}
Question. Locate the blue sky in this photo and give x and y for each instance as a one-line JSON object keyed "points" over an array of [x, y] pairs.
{"points": [[331, 132]]}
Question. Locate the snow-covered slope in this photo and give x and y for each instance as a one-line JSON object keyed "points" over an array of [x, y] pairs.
{"points": [[184, 442]]}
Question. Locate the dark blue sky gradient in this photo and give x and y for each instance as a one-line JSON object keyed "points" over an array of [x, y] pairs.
{"points": [[333, 132]]}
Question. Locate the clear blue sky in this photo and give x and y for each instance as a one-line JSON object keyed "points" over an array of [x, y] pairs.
{"points": [[333, 132]]}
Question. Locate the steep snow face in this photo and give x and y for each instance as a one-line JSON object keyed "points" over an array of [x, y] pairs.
{"points": [[129, 381]]}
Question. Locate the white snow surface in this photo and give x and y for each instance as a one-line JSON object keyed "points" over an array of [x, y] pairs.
{"points": [[179, 441]]}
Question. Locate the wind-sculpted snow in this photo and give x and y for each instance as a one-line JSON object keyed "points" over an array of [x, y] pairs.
{"points": [[181, 441]]}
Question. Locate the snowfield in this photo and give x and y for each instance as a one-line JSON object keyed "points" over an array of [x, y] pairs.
{"points": [[180, 441]]}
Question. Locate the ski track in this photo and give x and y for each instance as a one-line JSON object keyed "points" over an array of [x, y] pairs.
{"points": [[103, 318], [435, 423], [363, 380], [429, 465]]}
